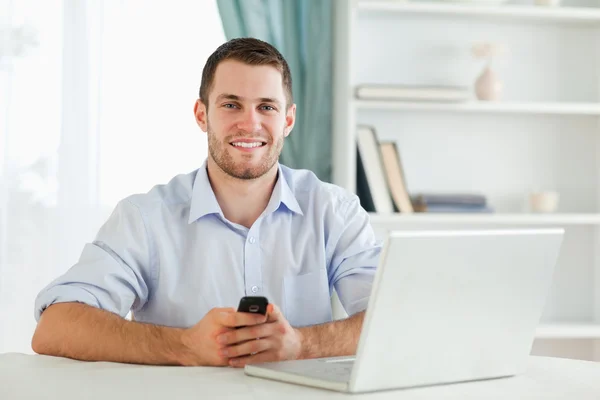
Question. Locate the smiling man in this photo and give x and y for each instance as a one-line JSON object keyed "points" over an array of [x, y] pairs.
{"points": [[181, 256]]}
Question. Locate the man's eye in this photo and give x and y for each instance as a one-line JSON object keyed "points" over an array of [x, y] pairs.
{"points": [[268, 108], [229, 105]]}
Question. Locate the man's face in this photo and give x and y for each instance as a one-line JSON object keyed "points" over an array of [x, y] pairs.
{"points": [[247, 118]]}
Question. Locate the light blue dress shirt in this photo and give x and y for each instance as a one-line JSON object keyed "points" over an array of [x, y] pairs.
{"points": [[170, 255]]}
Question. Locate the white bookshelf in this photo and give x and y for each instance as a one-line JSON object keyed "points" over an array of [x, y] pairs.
{"points": [[530, 13], [542, 134], [487, 219], [589, 109]]}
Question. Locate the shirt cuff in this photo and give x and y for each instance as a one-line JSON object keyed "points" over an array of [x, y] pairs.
{"points": [[63, 294], [354, 291]]}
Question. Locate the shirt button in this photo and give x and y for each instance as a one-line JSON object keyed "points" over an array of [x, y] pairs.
{"points": [[254, 289], [252, 240]]}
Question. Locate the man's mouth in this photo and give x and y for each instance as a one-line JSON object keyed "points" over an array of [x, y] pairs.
{"points": [[248, 145]]}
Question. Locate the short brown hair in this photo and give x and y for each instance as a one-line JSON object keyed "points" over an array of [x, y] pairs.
{"points": [[250, 51]]}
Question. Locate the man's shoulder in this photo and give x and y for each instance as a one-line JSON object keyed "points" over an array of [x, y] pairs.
{"points": [[176, 192], [307, 187]]}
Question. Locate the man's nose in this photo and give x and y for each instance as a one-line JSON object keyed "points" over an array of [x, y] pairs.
{"points": [[250, 121]]}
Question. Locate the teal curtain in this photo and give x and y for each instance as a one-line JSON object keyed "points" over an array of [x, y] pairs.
{"points": [[302, 31]]}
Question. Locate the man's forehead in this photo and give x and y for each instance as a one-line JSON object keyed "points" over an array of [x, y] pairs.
{"points": [[248, 81], [228, 65]]}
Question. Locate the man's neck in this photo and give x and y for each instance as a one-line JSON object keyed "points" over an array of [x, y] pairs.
{"points": [[241, 200]]}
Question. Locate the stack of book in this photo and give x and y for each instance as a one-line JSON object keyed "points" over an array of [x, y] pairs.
{"points": [[451, 203], [412, 93], [382, 188]]}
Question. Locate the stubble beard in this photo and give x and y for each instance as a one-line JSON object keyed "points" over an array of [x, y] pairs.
{"points": [[221, 155]]}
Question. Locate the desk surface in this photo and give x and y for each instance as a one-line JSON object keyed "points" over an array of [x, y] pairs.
{"points": [[36, 377]]}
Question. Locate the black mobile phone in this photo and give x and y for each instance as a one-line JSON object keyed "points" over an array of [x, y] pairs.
{"points": [[254, 305]]}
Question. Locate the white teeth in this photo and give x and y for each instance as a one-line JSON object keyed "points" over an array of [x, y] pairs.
{"points": [[247, 145]]}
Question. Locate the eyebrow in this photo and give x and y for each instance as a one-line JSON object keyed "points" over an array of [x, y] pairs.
{"points": [[228, 96]]}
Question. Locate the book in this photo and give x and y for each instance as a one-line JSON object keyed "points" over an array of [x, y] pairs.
{"points": [[395, 176], [368, 148], [449, 199], [362, 185], [452, 208], [412, 93]]}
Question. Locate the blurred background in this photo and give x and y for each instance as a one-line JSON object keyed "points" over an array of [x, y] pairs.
{"points": [[437, 114], [96, 103]]}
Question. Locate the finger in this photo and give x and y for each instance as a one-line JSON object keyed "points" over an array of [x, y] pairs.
{"points": [[250, 347], [265, 356], [221, 314], [273, 313], [236, 319], [224, 309], [247, 333]]}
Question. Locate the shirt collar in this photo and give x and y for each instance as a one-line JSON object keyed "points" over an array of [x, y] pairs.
{"points": [[204, 201], [282, 194]]}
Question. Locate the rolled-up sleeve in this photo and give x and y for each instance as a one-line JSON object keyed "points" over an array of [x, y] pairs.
{"points": [[114, 272], [355, 255]]}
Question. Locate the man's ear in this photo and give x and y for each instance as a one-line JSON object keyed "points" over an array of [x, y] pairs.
{"points": [[200, 112], [290, 120]]}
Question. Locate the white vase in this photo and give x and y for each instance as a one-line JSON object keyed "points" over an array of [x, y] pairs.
{"points": [[488, 86]]}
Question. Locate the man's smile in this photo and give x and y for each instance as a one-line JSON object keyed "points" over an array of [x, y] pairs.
{"points": [[247, 144]]}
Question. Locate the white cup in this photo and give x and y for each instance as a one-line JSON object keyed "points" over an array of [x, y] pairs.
{"points": [[543, 202]]}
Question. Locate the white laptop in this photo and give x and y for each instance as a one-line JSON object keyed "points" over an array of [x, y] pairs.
{"points": [[446, 306]]}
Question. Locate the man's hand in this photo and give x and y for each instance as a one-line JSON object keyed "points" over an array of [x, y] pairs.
{"points": [[274, 340], [200, 341]]}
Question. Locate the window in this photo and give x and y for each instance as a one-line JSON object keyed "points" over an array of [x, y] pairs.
{"points": [[152, 59], [98, 107]]}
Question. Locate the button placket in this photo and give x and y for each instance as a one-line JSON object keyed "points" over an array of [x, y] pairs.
{"points": [[253, 263]]}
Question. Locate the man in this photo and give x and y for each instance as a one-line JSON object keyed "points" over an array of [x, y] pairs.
{"points": [[181, 256]]}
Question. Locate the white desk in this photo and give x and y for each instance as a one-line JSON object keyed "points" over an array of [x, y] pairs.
{"points": [[39, 377]]}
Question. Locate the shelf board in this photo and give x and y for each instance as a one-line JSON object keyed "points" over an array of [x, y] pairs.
{"points": [[492, 218], [590, 109], [568, 331], [526, 12]]}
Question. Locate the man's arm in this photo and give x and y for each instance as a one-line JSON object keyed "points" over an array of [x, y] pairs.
{"points": [[337, 338], [87, 333]]}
